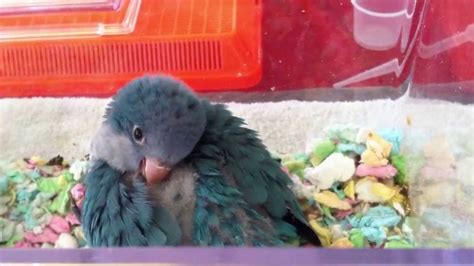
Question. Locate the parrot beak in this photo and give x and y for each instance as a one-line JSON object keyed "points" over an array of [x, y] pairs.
{"points": [[154, 171]]}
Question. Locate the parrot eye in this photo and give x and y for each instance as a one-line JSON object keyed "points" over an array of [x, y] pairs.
{"points": [[138, 135]]}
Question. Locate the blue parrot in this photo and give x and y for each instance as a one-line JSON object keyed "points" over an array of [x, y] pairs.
{"points": [[170, 168]]}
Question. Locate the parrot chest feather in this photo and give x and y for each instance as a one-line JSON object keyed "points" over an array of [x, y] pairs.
{"points": [[177, 194]]}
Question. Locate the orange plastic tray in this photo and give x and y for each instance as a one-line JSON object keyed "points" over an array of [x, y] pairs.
{"points": [[210, 44]]}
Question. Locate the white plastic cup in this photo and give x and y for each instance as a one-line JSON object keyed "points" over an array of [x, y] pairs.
{"points": [[379, 24]]}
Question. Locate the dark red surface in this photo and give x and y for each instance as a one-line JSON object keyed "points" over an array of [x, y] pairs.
{"points": [[454, 66], [309, 44]]}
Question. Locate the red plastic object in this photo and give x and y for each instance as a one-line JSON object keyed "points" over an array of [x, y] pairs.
{"points": [[210, 44], [32, 6]]}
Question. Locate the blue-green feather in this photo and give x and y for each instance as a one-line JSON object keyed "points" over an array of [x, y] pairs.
{"points": [[119, 214], [240, 183]]}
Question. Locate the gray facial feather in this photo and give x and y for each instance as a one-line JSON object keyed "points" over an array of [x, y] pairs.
{"points": [[117, 149]]}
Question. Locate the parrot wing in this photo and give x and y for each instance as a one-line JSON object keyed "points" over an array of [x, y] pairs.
{"points": [[118, 212], [236, 171]]}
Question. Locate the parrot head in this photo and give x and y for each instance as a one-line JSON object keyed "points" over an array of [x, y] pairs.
{"points": [[150, 125]]}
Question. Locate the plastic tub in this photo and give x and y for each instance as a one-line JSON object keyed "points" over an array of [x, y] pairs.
{"points": [[210, 44], [18, 7]]}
